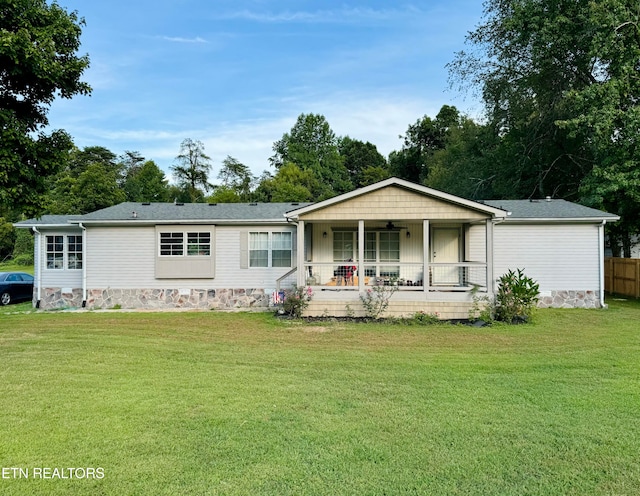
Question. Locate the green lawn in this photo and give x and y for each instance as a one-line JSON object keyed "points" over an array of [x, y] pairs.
{"points": [[219, 403], [11, 267]]}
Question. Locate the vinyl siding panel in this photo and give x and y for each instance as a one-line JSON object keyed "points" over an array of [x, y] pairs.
{"points": [[124, 258], [228, 271], [120, 257], [476, 250], [393, 203], [559, 257]]}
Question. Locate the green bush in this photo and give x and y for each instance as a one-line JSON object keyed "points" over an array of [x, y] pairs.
{"points": [[24, 259], [516, 298], [23, 246], [375, 299], [296, 300]]}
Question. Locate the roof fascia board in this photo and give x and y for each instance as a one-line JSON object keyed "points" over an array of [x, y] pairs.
{"points": [[45, 226], [563, 220], [138, 222]]}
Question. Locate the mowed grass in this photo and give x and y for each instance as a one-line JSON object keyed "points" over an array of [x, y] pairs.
{"points": [[219, 403]]}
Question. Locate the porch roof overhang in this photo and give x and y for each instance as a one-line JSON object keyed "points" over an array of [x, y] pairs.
{"points": [[486, 210]]}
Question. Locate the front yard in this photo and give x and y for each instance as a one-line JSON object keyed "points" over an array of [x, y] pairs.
{"points": [[223, 403]]}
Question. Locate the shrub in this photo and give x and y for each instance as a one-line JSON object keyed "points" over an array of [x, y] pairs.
{"points": [[424, 318], [483, 307], [24, 259], [516, 298], [23, 246], [296, 300], [375, 300]]}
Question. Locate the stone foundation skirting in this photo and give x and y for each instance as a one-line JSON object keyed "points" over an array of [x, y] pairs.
{"points": [[56, 298], [227, 299], [570, 299]]}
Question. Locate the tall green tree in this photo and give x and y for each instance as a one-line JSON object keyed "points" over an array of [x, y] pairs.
{"points": [[66, 192], [313, 146], [363, 161], [145, 182], [560, 80], [191, 170], [97, 187], [38, 62], [422, 140], [237, 181], [290, 184], [466, 165]]}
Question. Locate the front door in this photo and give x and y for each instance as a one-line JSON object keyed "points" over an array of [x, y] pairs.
{"points": [[445, 249]]}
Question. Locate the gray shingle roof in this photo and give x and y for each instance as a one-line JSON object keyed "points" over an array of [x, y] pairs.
{"points": [[226, 212], [49, 220], [548, 209], [274, 212]]}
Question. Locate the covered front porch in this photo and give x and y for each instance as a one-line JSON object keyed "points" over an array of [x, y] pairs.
{"points": [[426, 246], [430, 266], [352, 256]]}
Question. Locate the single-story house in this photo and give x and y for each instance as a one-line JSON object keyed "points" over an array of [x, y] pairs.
{"points": [[437, 249]]}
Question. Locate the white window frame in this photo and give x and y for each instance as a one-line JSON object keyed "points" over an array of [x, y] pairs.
{"points": [[63, 260], [192, 243], [57, 255], [274, 239], [74, 257]]}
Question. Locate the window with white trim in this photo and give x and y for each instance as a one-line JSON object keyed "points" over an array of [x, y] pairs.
{"points": [[270, 249], [199, 244], [74, 252], [55, 252], [63, 252], [180, 244], [171, 244]]}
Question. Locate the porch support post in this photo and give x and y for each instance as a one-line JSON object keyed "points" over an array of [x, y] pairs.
{"points": [[425, 257], [301, 275], [361, 255], [489, 257]]}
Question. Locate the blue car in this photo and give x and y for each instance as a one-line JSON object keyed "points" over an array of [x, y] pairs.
{"points": [[15, 286]]}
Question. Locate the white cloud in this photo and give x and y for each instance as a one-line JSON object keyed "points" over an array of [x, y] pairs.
{"points": [[344, 15], [184, 40]]}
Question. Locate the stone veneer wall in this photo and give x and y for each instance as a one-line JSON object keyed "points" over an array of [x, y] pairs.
{"points": [[570, 299], [156, 298], [55, 298]]}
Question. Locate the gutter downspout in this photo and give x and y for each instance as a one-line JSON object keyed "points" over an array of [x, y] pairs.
{"points": [[38, 266], [84, 264], [601, 261]]}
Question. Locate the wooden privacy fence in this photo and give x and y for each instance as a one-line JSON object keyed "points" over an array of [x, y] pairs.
{"points": [[622, 276]]}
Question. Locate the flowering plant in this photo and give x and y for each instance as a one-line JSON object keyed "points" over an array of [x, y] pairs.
{"points": [[296, 300]]}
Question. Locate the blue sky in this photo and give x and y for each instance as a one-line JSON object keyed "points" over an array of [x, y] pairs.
{"points": [[236, 74]]}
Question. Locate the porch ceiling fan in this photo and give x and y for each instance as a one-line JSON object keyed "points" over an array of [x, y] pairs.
{"points": [[390, 227]]}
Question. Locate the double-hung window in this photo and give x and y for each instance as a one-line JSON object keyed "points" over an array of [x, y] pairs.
{"points": [[74, 252], [64, 252], [270, 249], [55, 252]]}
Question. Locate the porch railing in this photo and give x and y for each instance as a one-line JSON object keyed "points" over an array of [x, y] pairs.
{"points": [[462, 276]]}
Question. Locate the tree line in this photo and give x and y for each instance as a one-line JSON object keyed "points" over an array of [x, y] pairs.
{"points": [[560, 81]]}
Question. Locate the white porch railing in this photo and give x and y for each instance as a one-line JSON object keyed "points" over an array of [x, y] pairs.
{"points": [[462, 276]]}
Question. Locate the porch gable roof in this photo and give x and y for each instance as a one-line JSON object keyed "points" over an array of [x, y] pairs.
{"points": [[394, 182]]}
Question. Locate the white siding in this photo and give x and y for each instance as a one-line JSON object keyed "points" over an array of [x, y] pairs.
{"points": [[124, 258], [228, 271], [57, 278], [559, 257], [476, 249]]}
